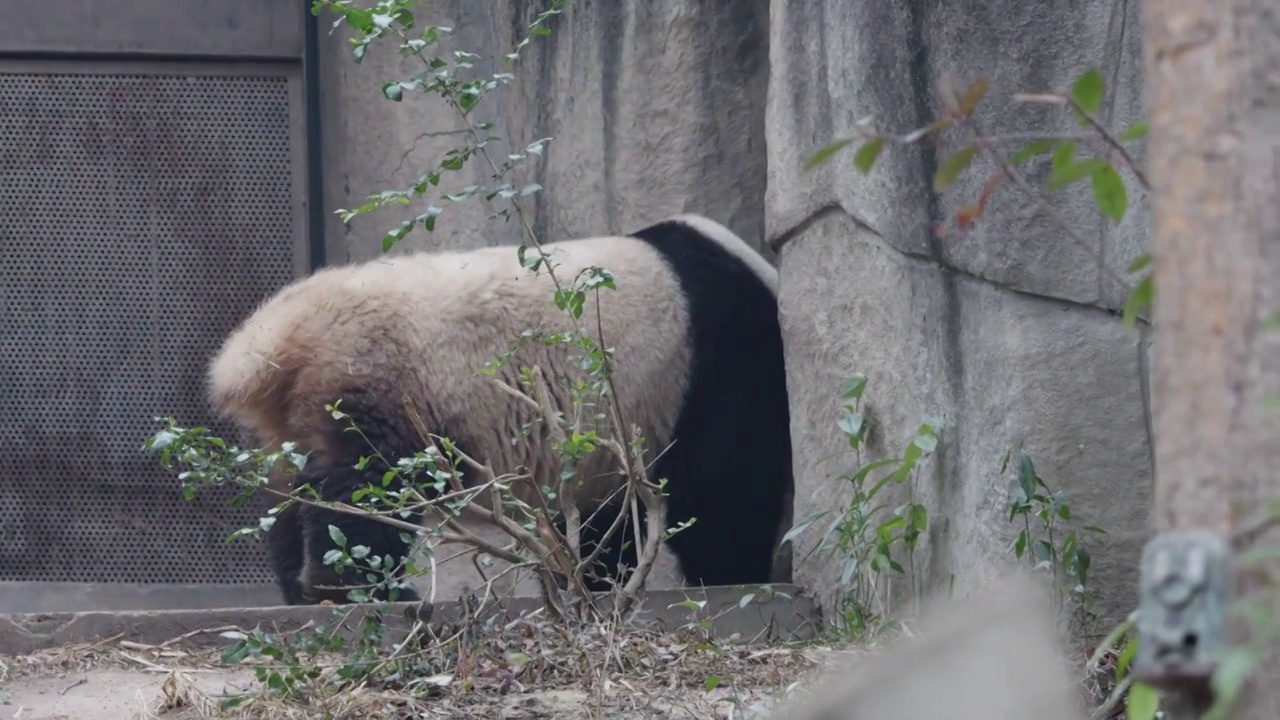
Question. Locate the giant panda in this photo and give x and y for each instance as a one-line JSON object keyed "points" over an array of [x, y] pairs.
{"points": [[693, 324]]}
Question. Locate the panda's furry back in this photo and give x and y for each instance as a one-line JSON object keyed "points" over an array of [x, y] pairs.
{"points": [[421, 326]]}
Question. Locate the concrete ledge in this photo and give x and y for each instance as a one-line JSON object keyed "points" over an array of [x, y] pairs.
{"points": [[70, 597], [786, 613]]}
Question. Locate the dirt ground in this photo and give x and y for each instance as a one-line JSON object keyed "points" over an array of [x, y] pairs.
{"points": [[107, 682], [123, 694], [512, 670], [108, 693]]}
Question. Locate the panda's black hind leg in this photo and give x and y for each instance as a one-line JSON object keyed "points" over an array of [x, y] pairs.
{"points": [[286, 553], [604, 574], [323, 581]]}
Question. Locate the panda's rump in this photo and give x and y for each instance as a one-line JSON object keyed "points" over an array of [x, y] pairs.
{"points": [[418, 329], [642, 320]]}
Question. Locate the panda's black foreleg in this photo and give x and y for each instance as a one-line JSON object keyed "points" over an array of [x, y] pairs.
{"points": [[286, 553], [384, 541]]}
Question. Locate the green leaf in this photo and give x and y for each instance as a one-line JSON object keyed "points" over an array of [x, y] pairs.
{"points": [[1066, 174], [1140, 299], [1063, 156], [881, 563], [1083, 561], [393, 91], [950, 169], [275, 681], [390, 239], [453, 160], [854, 387], [1087, 90], [1026, 474], [1139, 262], [337, 536], [885, 531], [1142, 703], [1126, 657], [800, 527], [1109, 193], [1135, 131], [1041, 550], [1036, 148], [825, 153], [919, 518], [1234, 669], [234, 653], [712, 682], [865, 158], [865, 470], [926, 442], [1229, 679], [851, 424]]}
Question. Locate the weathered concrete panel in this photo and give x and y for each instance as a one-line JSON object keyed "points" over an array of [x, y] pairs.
{"points": [[836, 62], [656, 108], [1035, 47], [1009, 334], [850, 303]]}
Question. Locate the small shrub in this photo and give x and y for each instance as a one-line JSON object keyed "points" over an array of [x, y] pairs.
{"points": [[870, 538], [1044, 543]]}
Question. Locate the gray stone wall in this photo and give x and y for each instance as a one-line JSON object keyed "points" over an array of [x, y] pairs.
{"points": [[1009, 335], [656, 107]]}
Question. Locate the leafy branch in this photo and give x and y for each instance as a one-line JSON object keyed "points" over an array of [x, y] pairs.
{"points": [[960, 115]]}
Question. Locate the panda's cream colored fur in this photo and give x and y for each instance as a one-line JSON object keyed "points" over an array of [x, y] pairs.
{"points": [[296, 340], [418, 328]]}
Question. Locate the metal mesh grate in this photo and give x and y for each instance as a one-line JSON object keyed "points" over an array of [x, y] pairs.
{"points": [[143, 216]]}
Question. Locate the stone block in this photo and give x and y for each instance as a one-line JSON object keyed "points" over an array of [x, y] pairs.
{"points": [[999, 368]]}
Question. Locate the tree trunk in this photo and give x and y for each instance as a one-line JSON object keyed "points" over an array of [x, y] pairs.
{"points": [[1213, 76]]}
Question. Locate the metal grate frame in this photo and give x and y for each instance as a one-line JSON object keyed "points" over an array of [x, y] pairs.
{"points": [[147, 209]]}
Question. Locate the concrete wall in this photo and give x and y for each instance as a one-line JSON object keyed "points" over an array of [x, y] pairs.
{"points": [[655, 107], [1009, 335]]}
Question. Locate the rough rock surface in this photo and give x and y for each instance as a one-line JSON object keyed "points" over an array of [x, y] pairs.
{"points": [[655, 108], [1010, 335]]}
